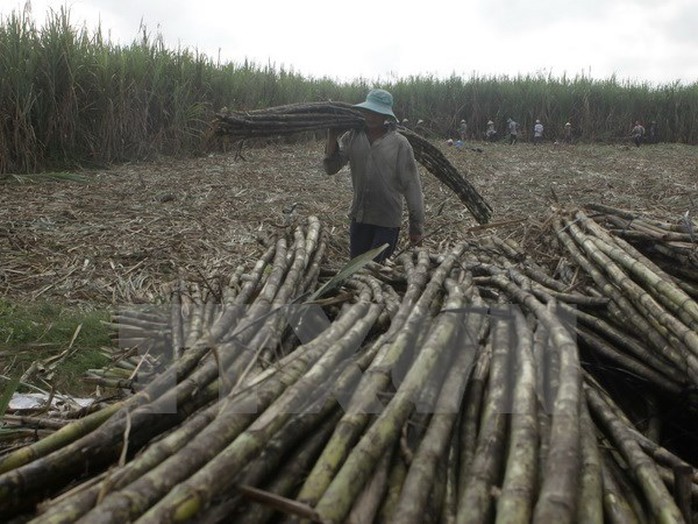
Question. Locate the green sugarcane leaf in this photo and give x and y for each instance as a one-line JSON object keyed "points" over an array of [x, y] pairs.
{"points": [[7, 395], [351, 267]]}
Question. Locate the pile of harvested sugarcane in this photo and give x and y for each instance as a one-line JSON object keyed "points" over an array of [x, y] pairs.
{"points": [[463, 386], [297, 118]]}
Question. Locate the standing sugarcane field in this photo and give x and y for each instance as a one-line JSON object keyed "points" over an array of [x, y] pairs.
{"points": [[184, 336]]}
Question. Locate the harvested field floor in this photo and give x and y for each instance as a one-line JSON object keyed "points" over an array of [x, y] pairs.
{"points": [[119, 236], [547, 373]]}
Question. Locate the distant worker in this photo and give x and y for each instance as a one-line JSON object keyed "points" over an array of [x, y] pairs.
{"points": [[405, 123], [463, 130], [653, 133], [638, 133], [567, 135], [491, 133], [538, 133], [513, 130]]}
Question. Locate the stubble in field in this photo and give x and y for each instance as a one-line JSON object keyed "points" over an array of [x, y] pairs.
{"points": [[119, 237]]}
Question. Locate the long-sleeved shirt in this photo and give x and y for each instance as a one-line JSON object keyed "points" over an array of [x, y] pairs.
{"points": [[638, 130], [382, 173]]}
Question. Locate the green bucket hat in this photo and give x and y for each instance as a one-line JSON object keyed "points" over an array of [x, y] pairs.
{"points": [[378, 101]]}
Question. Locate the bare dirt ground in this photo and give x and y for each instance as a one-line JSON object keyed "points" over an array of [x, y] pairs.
{"points": [[132, 228]]}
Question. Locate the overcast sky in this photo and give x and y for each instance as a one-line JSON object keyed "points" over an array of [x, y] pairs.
{"points": [[652, 41]]}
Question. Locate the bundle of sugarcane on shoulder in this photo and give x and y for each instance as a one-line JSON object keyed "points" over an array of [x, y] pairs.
{"points": [[316, 116]]}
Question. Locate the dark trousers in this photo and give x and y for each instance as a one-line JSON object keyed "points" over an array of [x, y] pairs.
{"points": [[364, 237]]}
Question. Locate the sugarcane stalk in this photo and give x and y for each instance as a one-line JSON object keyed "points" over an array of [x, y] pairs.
{"points": [[590, 508], [409, 321], [396, 478], [286, 475], [268, 336], [668, 475], [212, 308], [662, 505], [627, 363], [436, 499], [621, 307], [312, 238], [472, 415], [72, 508], [450, 504], [627, 343], [187, 499], [314, 265], [57, 440], [682, 491], [515, 503], [231, 422], [264, 299], [112, 372], [286, 481], [35, 422], [111, 383], [337, 499], [475, 501], [605, 209], [547, 375], [193, 326], [23, 434], [558, 496], [617, 508], [654, 313], [543, 292], [662, 456], [239, 353], [660, 233], [670, 295], [603, 234], [135, 325], [413, 500], [368, 502]]}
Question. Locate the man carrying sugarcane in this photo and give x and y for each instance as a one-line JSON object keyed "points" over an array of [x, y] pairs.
{"points": [[538, 133], [567, 135], [383, 173], [463, 130], [638, 133], [491, 133], [513, 129]]}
